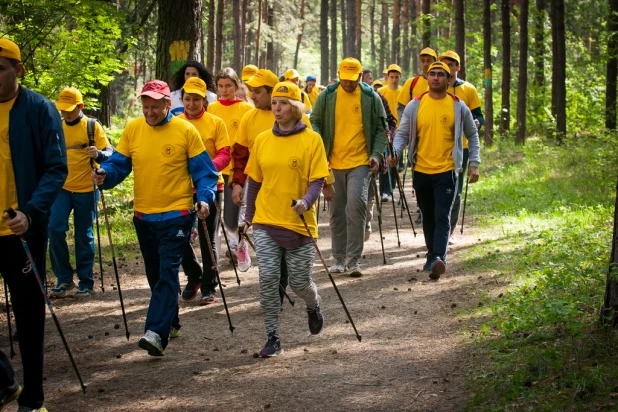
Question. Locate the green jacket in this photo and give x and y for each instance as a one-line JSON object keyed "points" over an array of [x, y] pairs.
{"points": [[374, 119]]}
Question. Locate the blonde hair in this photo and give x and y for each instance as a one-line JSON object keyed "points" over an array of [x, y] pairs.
{"points": [[298, 108]]}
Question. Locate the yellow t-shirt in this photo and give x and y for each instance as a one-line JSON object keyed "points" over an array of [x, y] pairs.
{"points": [[255, 122], [306, 100], [420, 87], [160, 156], [78, 162], [467, 93], [285, 166], [435, 125], [313, 95], [214, 135], [391, 97], [8, 191], [231, 115], [349, 144]]}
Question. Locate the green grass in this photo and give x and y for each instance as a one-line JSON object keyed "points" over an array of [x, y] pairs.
{"points": [[547, 212]]}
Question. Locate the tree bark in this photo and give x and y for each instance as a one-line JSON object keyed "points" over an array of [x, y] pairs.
{"points": [[396, 35], [372, 22], [179, 35], [243, 34], [609, 311], [413, 29], [539, 44], [302, 30], [259, 34], [405, 56], [612, 65], [359, 26], [505, 112], [426, 23], [333, 41], [270, 50], [344, 29], [522, 84], [210, 43], [236, 33], [350, 40], [559, 68], [219, 42], [460, 36], [324, 41], [383, 39], [489, 110]]}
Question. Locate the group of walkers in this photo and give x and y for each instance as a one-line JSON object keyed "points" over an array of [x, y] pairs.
{"points": [[229, 154]]}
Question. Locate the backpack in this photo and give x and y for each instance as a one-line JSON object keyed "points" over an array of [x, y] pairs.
{"points": [[90, 128], [414, 81]]}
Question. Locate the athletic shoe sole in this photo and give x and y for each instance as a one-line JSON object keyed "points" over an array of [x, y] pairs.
{"points": [[208, 302], [279, 352], [153, 350], [11, 398], [196, 289], [437, 270]]}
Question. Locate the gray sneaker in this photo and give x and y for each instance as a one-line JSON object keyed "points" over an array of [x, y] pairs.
{"points": [[28, 409], [354, 268], [84, 293], [151, 341], [61, 289], [338, 267]]}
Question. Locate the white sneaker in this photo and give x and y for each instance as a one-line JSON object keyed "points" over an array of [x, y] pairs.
{"points": [[387, 198], [338, 267], [151, 342], [354, 268]]}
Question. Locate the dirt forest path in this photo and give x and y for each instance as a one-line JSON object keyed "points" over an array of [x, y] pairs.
{"points": [[411, 357]]}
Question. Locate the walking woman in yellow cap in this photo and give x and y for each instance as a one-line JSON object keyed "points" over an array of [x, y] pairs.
{"points": [[286, 163]]}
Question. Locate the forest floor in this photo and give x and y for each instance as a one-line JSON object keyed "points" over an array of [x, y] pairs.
{"points": [[412, 356]]}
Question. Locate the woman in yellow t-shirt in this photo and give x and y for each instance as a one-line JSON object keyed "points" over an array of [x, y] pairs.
{"points": [[217, 143], [231, 109], [286, 163]]}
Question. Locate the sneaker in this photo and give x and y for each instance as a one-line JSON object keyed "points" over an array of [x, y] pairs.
{"points": [[242, 252], [452, 240], [190, 291], [272, 347], [61, 289], [339, 266], [208, 299], [438, 267], [28, 409], [9, 394], [427, 265], [316, 320], [151, 342], [174, 333], [84, 293], [354, 268], [367, 231], [387, 198]]}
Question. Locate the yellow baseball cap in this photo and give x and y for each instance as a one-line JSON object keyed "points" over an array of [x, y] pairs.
{"points": [[377, 83], [450, 54], [439, 65], [429, 52], [9, 50], [68, 99], [393, 68], [248, 72], [286, 89], [263, 77], [384, 72], [291, 74], [195, 85], [350, 69]]}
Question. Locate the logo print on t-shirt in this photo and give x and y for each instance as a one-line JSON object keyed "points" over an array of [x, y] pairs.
{"points": [[234, 123], [294, 163], [167, 150], [356, 108], [444, 119]]}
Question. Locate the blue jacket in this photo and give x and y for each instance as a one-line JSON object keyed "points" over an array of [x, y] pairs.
{"points": [[39, 156]]}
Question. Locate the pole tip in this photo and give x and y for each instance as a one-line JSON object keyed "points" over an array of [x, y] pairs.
{"points": [[127, 335], [232, 329], [84, 386], [359, 337]]}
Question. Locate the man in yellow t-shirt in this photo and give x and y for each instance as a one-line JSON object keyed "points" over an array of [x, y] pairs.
{"points": [[293, 77], [78, 195], [417, 85], [435, 124], [33, 168], [167, 155], [310, 89], [349, 115]]}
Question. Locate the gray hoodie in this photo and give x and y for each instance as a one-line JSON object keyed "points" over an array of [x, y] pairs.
{"points": [[464, 124]]}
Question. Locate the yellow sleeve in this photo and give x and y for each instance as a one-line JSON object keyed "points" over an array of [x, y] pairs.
{"points": [[124, 145], [319, 163], [241, 133], [404, 94], [195, 145], [306, 121], [222, 138], [100, 139], [307, 101], [253, 169]]}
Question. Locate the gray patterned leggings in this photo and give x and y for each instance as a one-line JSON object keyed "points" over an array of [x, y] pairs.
{"points": [[299, 262]]}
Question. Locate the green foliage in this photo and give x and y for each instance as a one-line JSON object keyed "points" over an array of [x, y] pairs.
{"points": [[64, 43], [554, 206]]}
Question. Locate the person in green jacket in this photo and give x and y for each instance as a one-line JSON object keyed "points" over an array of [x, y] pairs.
{"points": [[350, 117]]}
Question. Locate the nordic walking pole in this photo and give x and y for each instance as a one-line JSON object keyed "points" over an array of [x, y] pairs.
{"points": [[317, 210], [35, 270], [8, 317], [378, 204], [402, 194], [228, 245], [317, 249], [463, 217], [96, 212], [215, 266], [111, 246], [388, 167], [253, 247]]}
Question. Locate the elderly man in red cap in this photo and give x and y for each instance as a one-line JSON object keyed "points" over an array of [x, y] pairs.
{"points": [[167, 154]]}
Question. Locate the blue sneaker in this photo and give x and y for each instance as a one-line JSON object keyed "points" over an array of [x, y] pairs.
{"points": [[437, 268]]}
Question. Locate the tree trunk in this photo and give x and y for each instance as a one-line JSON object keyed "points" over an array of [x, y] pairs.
{"points": [[236, 33], [210, 44], [413, 28], [612, 65], [426, 23], [460, 36], [180, 32], [558, 68], [522, 83], [372, 22], [333, 41], [489, 110], [505, 113], [219, 36], [350, 40], [383, 38], [344, 29], [302, 30], [270, 50], [259, 34], [396, 36], [243, 34], [359, 26], [539, 44], [609, 311], [405, 56], [324, 41]]}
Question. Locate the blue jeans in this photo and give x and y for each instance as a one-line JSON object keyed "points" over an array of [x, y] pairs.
{"points": [[83, 206], [162, 244]]}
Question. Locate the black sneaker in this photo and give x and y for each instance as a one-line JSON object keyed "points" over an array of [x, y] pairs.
{"points": [[191, 290], [438, 267], [316, 320], [9, 394], [272, 347]]}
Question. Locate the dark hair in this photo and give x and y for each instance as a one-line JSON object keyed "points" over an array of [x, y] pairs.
{"points": [[179, 77], [228, 73], [14, 62]]}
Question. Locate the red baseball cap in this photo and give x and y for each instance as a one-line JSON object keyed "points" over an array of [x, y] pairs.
{"points": [[156, 89]]}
